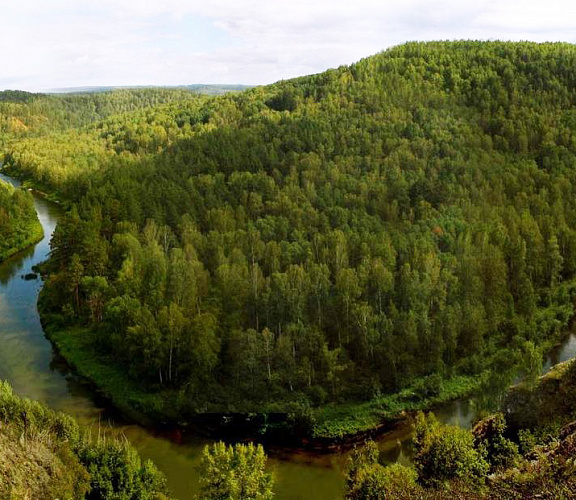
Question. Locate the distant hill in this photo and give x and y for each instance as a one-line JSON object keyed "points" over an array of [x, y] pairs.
{"points": [[200, 88], [17, 96], [216, 89]]}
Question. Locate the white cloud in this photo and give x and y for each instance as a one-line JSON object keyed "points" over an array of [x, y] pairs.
{"points": [[168, 42]]}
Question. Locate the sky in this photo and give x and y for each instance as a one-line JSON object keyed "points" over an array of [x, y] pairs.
{"points": [[49, 44]]}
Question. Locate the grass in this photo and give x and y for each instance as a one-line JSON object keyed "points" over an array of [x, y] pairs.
{"points": [[557, 372], [36, 465], [336, 421], [110, 381]]}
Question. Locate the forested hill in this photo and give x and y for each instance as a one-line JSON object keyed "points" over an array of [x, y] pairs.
{"points": [[408, 221], [208, 89], [24, 114]]}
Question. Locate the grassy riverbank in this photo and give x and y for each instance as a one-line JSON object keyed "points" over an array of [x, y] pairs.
{"points": [[323, 426], [336, 421], [45, 192], [331, 423], [76, 347], [31, 184]]}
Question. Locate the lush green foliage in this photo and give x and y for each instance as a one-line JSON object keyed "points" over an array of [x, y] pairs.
{"points": [[445, 452], [234, 473], [449, 463], [366, 479], [117, 472], [330, 238], [490, 437], [19, 225], [77, 347], [66, 462], [16, 96]]}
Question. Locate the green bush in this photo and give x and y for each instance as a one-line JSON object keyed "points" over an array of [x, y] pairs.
{"points": [[104, 468], [445, 452], [367, 479], [429, 387], [301, 421], [489, 435], [234, 473], [117, 472], [527, 441]]}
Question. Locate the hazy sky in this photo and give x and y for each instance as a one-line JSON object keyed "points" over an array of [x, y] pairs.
{"points": [[48, 44]]}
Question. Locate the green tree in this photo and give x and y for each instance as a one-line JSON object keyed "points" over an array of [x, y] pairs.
{"points": [[489, 435], [95, 288], [75, 274], [531, 364], [234, 473]]}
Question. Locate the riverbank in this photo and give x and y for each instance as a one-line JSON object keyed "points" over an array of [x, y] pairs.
{"points": [[19, 224], [323, 428], [106, 379], [34, 232], [31, 185]]}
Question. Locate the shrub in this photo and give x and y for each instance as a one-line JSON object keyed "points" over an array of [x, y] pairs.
{"points": [[234, 473], [445, 452], [116, 471], [489, 435], [367, 479]]}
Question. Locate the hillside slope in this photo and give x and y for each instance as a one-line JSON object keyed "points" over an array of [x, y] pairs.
{"points": [[45, 455], [399, 226]]}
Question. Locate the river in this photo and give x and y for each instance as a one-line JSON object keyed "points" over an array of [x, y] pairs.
{"points": [[30, 364]]}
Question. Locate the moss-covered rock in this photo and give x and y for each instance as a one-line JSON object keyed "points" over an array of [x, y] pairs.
{"points": [[553, 398]]}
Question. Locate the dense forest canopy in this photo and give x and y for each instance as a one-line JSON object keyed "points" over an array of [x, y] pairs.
{"points": [[23, 114], [18, 220], [327, 238]]}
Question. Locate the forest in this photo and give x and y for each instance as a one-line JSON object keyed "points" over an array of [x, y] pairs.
{"points": [[19, 226], [403, 225]]}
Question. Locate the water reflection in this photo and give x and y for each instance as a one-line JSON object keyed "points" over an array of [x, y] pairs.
{"points": [[396, 446], [562, 353], [13, 265], [460, 412]]}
